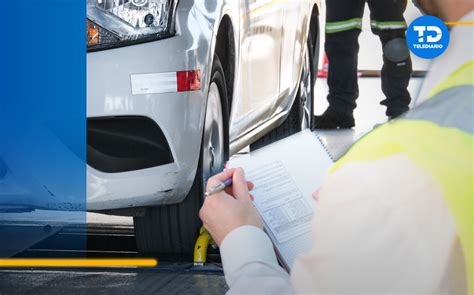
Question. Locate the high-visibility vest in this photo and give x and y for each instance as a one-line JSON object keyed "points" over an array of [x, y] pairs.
{"points": [[438, 136]]}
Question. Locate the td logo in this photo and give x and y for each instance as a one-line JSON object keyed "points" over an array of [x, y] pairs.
{"points": [[427, 37], [430, 39]]}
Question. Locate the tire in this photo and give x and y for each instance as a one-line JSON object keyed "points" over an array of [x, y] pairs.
{"points": [[173, 229], [301, 113]]}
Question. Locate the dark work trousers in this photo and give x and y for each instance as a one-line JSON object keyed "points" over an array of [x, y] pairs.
{"points": [[343, 26]]}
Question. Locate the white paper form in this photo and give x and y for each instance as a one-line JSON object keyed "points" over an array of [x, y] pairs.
{"points": [[284, 209], [290, 169]]}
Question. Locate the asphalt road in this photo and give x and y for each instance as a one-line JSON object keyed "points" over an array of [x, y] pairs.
{"points": [[109, 282]]}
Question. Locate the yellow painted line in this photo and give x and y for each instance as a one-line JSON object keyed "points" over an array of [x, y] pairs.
{"points": [[460, 23], [79, 262]]}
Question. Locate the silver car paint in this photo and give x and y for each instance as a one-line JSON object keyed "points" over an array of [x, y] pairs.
{"points": [[257, 106]]}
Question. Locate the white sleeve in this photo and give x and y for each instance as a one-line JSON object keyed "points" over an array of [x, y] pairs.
{"points": [[250, 263], [380, 227]]}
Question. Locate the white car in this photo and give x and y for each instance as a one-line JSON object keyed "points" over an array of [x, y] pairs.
{"points": [[174, 88]]}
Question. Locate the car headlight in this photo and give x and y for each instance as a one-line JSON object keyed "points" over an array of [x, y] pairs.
{"points": [[112, 23]]}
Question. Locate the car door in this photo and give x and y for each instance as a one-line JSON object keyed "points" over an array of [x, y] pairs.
{"points": [[293, 40], [259, 65]]}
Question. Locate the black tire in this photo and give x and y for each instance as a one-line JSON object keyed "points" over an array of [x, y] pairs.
{"points": [[293, 122], [173, 229]]}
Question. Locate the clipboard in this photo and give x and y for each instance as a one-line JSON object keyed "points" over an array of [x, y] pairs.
{"points": [[285, 175]]}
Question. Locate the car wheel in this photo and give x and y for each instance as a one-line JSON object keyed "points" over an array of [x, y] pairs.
{"points": [[301, 113], [173, 229]]}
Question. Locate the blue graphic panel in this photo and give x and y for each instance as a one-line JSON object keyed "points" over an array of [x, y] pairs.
{"points": [[42, 120]]}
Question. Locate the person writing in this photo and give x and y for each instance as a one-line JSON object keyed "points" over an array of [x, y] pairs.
{"points": [[394, 215]]}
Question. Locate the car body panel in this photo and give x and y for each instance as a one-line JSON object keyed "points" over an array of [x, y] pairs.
{"points": [[179, 114], [248, 125], [259, 79], [258, 105]]}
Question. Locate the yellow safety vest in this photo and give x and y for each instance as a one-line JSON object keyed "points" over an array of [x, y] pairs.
{"points": [[438, 136]]}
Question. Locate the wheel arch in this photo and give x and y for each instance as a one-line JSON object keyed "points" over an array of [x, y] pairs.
{"points": [[225, 50], [314, 19], [315, 31], [218, 16]]}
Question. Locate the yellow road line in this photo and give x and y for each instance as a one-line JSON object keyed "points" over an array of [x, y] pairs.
{"points": [[79, 262], [460, 23]]}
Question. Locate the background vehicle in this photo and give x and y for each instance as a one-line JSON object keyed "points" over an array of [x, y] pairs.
{"points": [[175, 88]]}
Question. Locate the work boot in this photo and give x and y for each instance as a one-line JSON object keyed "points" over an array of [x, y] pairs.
{"points": [[396, 107], [332, 119]]}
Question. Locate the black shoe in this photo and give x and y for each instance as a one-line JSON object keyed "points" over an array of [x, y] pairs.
{"points": [[395, 110], [331, 119]]}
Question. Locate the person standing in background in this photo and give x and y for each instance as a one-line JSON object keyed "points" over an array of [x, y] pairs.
{"points": [[343, 26]]}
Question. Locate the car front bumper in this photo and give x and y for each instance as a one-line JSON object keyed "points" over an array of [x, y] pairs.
{"points": [[112, 92]]}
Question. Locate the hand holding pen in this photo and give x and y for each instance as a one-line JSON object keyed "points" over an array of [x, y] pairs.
{"points": [[226, 183], [219, 187], [228, 204]]}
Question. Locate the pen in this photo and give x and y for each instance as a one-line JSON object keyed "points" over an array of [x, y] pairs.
{"points": [[219, 187]]}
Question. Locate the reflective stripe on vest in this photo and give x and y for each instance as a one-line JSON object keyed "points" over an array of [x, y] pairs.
{"points": [[438, 136], [462, 76], [451, 108]]}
